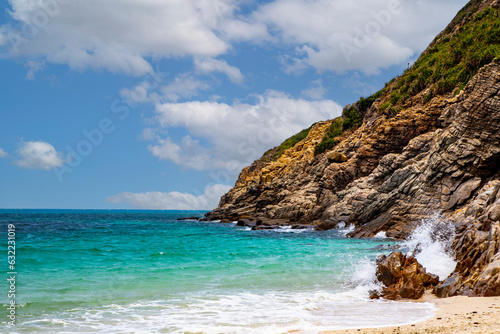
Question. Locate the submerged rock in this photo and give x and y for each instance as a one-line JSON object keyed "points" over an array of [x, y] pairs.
{"points": [[246, 222], [264, 227], [301, 227]]}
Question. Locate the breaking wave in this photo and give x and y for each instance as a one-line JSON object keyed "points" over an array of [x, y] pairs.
{"points": [[430, 243]]}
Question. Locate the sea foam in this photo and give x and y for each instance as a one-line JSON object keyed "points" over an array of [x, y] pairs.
{"points": [[271, 312]]}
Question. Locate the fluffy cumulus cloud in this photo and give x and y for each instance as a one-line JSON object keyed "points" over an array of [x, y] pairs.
{"points": [[316, 91], [209, 65], [117, 35], [38, 155], [229, 136], [341, 35], [3, 154], [183, 86], [173, 200]]}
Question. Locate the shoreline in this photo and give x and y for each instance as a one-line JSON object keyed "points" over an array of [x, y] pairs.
{"points": [[459, 314]]}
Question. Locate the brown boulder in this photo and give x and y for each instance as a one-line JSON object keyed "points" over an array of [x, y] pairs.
{"points": [[402, 277], [245, 222], [336, 157], [488, 283]]}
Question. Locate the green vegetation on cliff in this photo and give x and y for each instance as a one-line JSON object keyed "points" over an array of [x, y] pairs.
{"points": [[352, 117], [471, 41], [467, 44], [274, 153], [451, 61], [330, 138]]}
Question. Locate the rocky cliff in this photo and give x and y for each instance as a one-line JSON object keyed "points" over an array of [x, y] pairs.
{"points": [[428, 143]]}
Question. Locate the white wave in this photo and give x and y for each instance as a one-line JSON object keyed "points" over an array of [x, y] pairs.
{"points": [[289, 229], [343, 229], [381, 235], [364, 277], [271, 312], [430, 244]]}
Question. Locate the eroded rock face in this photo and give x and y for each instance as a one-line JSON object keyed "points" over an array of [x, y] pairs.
{"points": [[336, 157], [477, 247], [427, 159], [438, 171], [309, 189], [403, 277]]}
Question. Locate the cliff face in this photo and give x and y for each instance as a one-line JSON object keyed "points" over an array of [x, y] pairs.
{"points": [[427, 145]]}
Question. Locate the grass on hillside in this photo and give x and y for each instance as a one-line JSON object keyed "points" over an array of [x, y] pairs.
{"points": [[446, 67], [277, 152], [352, 118], [451, 62]]}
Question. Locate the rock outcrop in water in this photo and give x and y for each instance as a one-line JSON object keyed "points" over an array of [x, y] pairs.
{"points": [[428, 143], [402, 277]]}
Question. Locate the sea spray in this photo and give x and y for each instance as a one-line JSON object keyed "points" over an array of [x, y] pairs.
{"points": [[430, 244], [364, 277], [343, 229]]}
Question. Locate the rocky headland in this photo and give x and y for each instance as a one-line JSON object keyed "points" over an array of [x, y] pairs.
{"points": [[427, 144]]}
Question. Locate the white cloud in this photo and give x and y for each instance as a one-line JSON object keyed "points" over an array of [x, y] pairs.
{"points": [[188, 153], [33, 67], [3, 38], [173, 200], [223, 136], [3, 154], [183, 86], [316, 92], [341, 35], [38, 155], [138, 94], [240, 29], [209, 65], [119, 35]]}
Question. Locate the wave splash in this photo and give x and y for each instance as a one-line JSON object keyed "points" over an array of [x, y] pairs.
{"points": [[270, 312], [430, 243]]}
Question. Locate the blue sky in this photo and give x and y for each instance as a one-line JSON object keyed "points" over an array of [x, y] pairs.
{"points": [[158, 104]]}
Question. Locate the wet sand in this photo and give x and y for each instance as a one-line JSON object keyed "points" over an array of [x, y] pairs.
{"points": [[454, 315]]}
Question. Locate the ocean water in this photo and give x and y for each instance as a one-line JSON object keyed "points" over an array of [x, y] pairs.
{"points": [[99, 271]]}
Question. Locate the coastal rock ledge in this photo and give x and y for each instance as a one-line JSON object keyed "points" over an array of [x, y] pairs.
{"points": [[422, 146]]}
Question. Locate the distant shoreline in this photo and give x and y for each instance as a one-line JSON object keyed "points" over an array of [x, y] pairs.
{"points": [[458, 314]]}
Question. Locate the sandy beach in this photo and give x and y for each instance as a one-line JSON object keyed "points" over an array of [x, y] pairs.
{"points": [[454, 315]]}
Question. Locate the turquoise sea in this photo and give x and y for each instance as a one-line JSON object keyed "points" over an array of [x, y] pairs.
{"points": [[100, 271]]}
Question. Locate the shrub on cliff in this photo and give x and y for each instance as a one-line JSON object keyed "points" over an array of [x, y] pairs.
{"points": [[352, 117], [330, 139], [454, 58], [467, 44], [275, 153]]}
